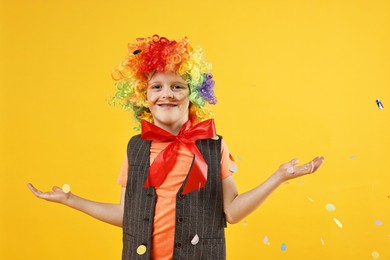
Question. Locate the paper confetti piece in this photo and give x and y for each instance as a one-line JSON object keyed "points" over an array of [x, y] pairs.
{"points": [[266, 241], [215, 137], [233, 169], [375, 255], [330, 207], [195, 240], [66, 188], [238, 157], [379, 103], [245, 223], [283, 247], [338, 223], [322, 241], [352, 157], [141, 249], [378, 222], [310, 199]]}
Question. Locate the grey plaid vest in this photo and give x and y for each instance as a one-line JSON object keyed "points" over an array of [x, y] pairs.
{"points": [[199, 213]]}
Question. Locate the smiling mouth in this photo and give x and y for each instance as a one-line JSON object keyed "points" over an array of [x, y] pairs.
{"points": [[167, 105]]}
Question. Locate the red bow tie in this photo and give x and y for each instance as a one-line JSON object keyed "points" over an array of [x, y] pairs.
{"points": [[165, 160]]}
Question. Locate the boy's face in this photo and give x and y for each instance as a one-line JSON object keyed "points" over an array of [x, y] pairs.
{"points": [[168, 95]]}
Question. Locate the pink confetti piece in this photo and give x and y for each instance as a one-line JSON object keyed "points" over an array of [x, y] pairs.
{"points": [[266, 241]]}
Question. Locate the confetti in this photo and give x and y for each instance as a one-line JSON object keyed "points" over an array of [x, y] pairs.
{"points": [[283, 247], [66, 188], [141, 249], [375, 255], [245, 223], [378, 222], [195, 240], [266, 241], [352, 157], [233, 169], [338, 223], [215, 137], [330, 207], [238, 157], [379, 103], [322, 241], [310, 199]]}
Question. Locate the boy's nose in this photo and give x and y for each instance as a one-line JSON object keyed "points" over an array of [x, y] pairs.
{"points": [[167, 93]]}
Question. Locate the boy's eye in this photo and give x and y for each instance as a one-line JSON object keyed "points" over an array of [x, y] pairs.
{"points": [[155, 87], [178, 87]]}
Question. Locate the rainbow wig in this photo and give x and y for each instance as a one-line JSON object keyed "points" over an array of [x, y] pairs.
{"points": [[148, 55]]}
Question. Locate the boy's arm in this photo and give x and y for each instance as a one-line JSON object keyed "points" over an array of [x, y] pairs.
{"points": [[237, 207], [107, 212]]}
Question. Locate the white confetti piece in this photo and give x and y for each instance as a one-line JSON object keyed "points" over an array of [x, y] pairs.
{"points": [[378, 222], [338, 223], [195, 240], [322, 241], [215, 137], [352, 157], [66, 188]]}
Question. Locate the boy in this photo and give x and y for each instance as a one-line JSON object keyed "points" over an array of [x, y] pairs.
{"points": [[177, 189]]}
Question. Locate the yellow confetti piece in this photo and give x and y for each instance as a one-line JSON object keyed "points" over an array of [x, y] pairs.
{"points": [[375, 255], [322, 241], [338, 223], [66, 188], [141, 249]]}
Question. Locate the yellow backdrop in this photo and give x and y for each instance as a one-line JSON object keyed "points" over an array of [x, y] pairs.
{"points": [[294, 79]]}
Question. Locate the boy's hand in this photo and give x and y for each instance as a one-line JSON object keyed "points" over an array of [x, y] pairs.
{"points": [[57, 195], [290, 170]]}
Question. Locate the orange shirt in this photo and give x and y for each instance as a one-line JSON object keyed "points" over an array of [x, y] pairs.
{"points": [[164, 219]]}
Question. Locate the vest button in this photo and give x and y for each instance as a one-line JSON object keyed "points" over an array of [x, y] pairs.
{"points": [[178, 245], [180, 219], [146, 219], [181, 195]]}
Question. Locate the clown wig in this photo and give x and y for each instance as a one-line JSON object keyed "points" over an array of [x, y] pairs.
{"points": [[148, 55]]}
